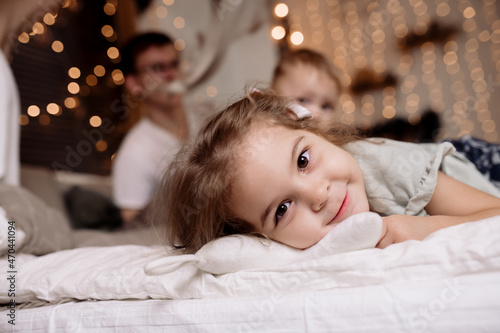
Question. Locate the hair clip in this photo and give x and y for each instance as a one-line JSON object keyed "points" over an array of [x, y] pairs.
{"points": [[251, 91], [300, 111]]}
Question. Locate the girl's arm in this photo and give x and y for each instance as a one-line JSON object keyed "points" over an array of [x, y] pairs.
{"points": [[452, 203]]}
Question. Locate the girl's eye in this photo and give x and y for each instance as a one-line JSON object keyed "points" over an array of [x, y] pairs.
{"points": [[302, 100], [281, 211], [303, 160], [327, 106]]}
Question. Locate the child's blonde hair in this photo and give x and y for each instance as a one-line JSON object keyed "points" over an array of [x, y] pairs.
{"points": [[305, 57], [192, 204]]}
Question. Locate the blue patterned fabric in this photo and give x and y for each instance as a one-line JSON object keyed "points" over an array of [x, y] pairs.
{"points": [[484, 155]]}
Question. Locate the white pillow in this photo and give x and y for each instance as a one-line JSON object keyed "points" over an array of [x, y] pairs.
{"points": [[242, 252]]}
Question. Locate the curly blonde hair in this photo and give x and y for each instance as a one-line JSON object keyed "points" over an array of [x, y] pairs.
{"points": [[192, 204]]}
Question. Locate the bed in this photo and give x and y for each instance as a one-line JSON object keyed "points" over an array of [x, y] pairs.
{"points": [[449, 282]]}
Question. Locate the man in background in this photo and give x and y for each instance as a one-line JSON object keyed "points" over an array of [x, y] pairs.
{"points": [[150, 65]]}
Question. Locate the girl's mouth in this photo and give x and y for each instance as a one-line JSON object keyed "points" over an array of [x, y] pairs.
{"points": [[343, 207]]}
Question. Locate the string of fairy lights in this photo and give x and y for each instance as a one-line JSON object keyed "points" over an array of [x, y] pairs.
{"points": [[356, 38], [39, 28], [361, 37], [75, 90]]}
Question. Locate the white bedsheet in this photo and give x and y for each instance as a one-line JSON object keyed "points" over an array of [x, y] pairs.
{"points": [[449, 280], [462, 305]]}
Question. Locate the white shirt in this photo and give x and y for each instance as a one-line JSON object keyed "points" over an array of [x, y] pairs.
{"points": [[400, 177], [9, 126], [143, 157], [139, 163]]}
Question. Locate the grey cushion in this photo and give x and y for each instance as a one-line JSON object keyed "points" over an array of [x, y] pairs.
{"points": [[47, 229]]}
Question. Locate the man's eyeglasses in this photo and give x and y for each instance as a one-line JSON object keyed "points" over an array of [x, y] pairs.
{"points": [[159, 68]]}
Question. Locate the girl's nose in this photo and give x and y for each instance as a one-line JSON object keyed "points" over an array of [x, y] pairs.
{"points": [[318, 194]]}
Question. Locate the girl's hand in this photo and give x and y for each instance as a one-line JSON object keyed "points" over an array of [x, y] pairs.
{"points": [[400, 228]]}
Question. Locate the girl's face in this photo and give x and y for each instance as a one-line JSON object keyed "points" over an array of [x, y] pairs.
{"points": [[311, 88], [294, 186]]}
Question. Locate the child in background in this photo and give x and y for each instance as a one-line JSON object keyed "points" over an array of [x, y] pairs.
{"points": [[308, 78], [255, 170]]}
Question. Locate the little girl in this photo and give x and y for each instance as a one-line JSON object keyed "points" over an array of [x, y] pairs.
{"points": [[257, 169]]}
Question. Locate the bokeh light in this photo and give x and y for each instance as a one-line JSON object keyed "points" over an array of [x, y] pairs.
{"points": [[57, 46], [95, 121], [74, 73], [211, 91], [278, 32], [179, 22], [281, 10], [33, 111], [297, 38]]}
